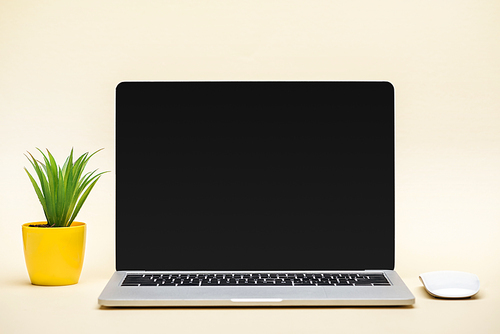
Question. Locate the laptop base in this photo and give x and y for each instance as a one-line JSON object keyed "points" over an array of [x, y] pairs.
{"points": [[115, 295]]}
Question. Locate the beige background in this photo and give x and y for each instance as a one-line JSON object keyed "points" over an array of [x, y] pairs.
{"points": [[61, 60]]}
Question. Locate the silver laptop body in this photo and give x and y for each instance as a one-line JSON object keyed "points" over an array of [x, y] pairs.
{"points": [[255, 194], [114, 295]]}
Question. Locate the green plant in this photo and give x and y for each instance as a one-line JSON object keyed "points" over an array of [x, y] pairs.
{"points": [[62, 191]]}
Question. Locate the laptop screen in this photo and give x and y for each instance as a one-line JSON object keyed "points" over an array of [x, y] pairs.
{"points": [[254, 176]]}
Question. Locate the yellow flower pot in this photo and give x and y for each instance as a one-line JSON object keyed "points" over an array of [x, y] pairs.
{"points": [[54, 255]]}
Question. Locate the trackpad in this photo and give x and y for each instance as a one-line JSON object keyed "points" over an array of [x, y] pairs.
{"points": [[259, 294]]}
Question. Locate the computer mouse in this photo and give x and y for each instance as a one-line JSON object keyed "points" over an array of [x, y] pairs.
{"points": [[450, 284]]}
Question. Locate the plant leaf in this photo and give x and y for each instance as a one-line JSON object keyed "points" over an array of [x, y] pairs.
{"points": [[37, 190], [81, 201]]}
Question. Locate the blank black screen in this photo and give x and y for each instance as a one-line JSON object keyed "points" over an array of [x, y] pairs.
{"points": [[254, 176]]}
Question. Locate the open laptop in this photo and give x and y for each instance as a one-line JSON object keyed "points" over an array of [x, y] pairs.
{"points": [[255, 194]]}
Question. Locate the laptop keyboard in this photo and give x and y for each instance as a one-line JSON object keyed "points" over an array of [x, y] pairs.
{"points": [[281, 279]]}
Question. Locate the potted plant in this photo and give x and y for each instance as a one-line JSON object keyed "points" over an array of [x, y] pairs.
{"points": [[54, 249]]}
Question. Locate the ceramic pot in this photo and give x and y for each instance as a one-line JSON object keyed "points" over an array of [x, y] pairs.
{"points": [[54, 255]]}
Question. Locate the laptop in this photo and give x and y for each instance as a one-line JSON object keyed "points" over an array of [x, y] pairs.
{"points": [[260, 193]]}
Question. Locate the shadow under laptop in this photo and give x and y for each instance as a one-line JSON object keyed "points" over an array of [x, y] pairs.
{"points": [[395, 307]]}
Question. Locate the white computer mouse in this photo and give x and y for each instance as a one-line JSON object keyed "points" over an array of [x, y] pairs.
{"points": [[450, 284]]}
